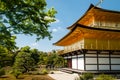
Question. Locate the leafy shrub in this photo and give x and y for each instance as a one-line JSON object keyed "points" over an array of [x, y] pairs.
{"points": [[24, 62], [16, 73], [77, 78], [2, 72], [85, 76], [44, 71], [105, 77]]}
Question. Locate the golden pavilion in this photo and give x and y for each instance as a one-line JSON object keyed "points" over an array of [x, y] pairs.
{"points": [[93, 43]]}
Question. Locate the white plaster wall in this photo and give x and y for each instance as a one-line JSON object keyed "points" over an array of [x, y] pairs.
{"points": [[115, 60], [91, 60], [91, 67], [103, 60], [104, 67], [81, 63], [74, 63], [115, 67]]}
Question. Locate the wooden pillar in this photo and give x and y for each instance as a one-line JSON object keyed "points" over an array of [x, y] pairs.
{"points": [[98, 52], [67, 62], [77, 60], [110, 52], [71, 61], [84, 52], [63, 62]]}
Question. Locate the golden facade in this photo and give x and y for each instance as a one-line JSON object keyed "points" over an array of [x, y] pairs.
{"points": [[97, 29]]}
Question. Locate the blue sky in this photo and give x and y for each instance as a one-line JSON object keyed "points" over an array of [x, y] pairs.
{"points": [[69, 11]]}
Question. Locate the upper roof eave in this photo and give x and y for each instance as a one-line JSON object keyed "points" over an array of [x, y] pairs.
{"points": [[91, 7], [62, 38]]}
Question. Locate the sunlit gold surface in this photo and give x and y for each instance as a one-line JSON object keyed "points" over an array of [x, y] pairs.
{"points": [[97, 29]]}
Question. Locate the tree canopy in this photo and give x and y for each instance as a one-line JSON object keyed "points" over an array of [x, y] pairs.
{"points": [[6, 58], [30, 17], [24, 60]]}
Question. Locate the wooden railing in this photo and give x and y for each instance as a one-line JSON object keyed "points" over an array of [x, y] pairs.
{"points": [[73, 49]]}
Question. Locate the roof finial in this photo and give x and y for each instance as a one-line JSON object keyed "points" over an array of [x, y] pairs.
{"points": [[98, 4]]}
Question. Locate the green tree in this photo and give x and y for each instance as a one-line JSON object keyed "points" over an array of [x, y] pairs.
{"points": [[25, 49], [51, 58], [35, 55], [55, 60], [2, 72], [7, 41], [43, 58], [59, 61], [23, 61], [6, 58], [26, 17]]}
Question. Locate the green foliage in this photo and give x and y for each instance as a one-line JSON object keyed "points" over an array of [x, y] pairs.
{"points": [[51, 60], [6, 40], [43, 58], [6, 58], [55, 60], [86, 76], [2, 72], [35, 55], [3, 49], [24, 62], [105, 77], [59, 61], [25, 49], [44, 71], [29, 17], [16, 73]]}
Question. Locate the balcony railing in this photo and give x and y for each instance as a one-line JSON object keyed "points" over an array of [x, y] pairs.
{"points": [[70, 49]]}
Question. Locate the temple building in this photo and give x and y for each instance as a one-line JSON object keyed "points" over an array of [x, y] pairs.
{"points": [[93, 42]]}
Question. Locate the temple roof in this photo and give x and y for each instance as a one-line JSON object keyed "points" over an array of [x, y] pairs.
{"points": [[80, 30], [96, 11]]}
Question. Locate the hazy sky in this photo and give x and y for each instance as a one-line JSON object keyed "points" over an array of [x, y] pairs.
{"points": [[69, 11]]}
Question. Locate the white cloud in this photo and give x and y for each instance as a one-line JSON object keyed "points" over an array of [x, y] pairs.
{"points": [[54, 30], [57, 21], [34, 45]]}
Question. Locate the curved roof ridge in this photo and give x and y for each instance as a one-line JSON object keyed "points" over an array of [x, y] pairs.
{"points": [[94, 28], [91, 7]]}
